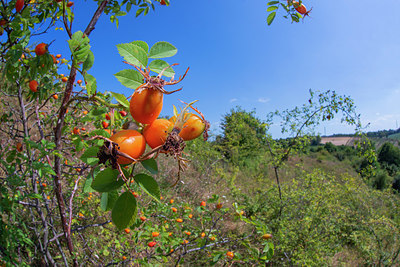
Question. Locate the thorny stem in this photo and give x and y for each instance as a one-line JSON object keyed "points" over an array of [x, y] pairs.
{"points": [[58, 133]]}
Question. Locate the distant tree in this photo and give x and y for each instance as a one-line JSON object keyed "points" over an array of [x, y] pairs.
{"points": [[243, 135], [389, 154], [316, 141], [330, 147]]}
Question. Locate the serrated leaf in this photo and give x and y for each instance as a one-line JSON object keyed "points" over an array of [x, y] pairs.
{"points": [[272, 8], [149, 185], [91, 84], [162, 49], [88, 62], [271, 18], [103, 201], [129, 78], [158, 65], [107, 200], [139, 11], [107, 180], [142, 44], [87, 186], [272, 3], [112, 198], [90, 152], [128, 6], [133, 54], [150, 165], [79, 46], [124, 212], [121, 99]]}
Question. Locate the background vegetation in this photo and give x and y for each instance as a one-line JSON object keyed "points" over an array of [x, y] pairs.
{"points": [[243, 198]]}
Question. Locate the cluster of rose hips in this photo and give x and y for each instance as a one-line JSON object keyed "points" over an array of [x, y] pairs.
{"points": [[162, 135]]}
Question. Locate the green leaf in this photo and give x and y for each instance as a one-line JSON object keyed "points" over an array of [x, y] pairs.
{"points": [[90, 154], [91, 84], [129, 78], [112, 198], [272, 3], [79, 46], [11, 156], [121, 99], [142, 44], [162, 49], [133, 54], [88, 62], [139, 11], [128, 6], [87, 186], [271, 18], [107, 180], [125, 210], [107, 200], [158, 65], [150, 165], [149, 185], [103, 201], [272, 8]]}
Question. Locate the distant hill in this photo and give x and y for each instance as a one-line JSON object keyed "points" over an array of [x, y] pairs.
{"points": [[393, 134]]}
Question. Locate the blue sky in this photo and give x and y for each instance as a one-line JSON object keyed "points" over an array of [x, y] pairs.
{"points": [[235, 59]]}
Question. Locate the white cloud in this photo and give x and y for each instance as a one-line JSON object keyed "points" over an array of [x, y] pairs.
{"points": [[263, 100], [233, 100]]}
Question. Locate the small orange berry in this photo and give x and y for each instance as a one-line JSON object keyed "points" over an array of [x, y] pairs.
{"points": [[212, 238], [203, 204], [41, 49], [174, 210], [64, 79], [170, 234], [152, 244], [155, 234], [83, 129], [79, 81], [48, 197], [76, 130], [123, 258], [185, 242], [219, 206], [230, 254], [188, 233], [44, 184], [85, 112], [105, 124], [55, 96], [142, 218], [171, 201], [267, 236], [202, 234], [190, 216], [19, 147], [33, 85], [179, 220], [69, 4], [81, 214], [127, 230]]}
